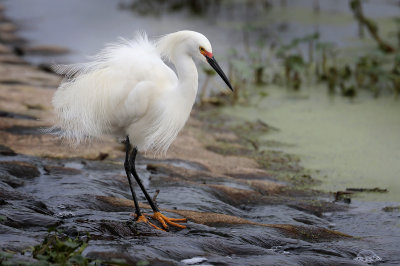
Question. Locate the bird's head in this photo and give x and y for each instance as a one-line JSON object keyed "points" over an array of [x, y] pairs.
{"points": [[201, 48], [195, 45]]}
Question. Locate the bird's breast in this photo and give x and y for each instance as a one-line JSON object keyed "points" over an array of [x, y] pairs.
{"points": [[158, 128]]}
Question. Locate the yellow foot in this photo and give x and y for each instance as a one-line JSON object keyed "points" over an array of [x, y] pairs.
{"points": [[143, 219], [162, 219]]}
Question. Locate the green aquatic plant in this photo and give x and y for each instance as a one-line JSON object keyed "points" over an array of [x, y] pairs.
{"points": [[59, 249], [325, 50], [295, 67], [293, 64]]}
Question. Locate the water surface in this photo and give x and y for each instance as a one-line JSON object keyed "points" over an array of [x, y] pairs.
{"points": [[346, 143]]}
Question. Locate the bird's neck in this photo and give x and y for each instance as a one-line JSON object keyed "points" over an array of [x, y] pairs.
{"points": [[187, 76]]}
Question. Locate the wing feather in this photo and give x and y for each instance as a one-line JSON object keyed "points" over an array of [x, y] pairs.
{"points": [[92, 93]]}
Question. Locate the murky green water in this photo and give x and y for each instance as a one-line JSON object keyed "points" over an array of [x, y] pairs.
{"points": [[346, 143]]}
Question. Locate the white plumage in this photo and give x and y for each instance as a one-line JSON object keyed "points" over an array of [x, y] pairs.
{"points": [[128, 90]]}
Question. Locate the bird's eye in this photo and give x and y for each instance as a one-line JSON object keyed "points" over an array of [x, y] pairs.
{"points": [[202, 49]]}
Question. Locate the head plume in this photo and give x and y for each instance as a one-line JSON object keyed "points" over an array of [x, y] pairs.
{"points": [[168, 44]]}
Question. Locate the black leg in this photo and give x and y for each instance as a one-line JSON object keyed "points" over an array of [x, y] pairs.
{"points": [[132, 159], [130, 169], [129, 175]]}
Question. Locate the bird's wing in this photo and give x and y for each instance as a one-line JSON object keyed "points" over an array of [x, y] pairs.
{"points": [[93, 95]]}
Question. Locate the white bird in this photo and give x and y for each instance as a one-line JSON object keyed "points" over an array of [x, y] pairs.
{"points": [[128, 91]]}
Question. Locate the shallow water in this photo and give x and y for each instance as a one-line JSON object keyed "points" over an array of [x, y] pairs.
{"points": [[85, 26], [346, 143]]}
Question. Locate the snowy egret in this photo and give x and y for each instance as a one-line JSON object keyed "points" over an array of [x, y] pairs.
{"points": [[128, 91]]}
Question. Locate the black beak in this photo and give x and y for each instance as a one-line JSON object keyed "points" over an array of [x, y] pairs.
{"points": [[217, 68]]}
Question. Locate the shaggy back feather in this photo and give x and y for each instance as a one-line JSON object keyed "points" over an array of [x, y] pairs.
{"points": [[84, 103]]}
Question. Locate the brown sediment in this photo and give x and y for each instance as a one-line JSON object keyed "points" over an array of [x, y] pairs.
{"points": [[209, 218]]}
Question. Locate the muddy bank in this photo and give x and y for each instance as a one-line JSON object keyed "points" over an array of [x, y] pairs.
{"points": [[240, 210]]}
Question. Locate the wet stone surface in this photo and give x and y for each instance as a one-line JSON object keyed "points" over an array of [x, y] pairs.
{"points": [[80, 197]]}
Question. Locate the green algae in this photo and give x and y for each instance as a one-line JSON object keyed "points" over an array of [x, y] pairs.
{"points": [[344, 143]]}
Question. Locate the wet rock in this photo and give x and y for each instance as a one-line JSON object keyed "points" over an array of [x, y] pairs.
{"points": [[309, 220], [309, 233], [122, 258], [225, 248], [9, 193], [6, 151], [304, 260], [11, 180], [126, 229], [316, 207], [118, 204], [236, 196], [25, 213], [13, 258], [22, 219], [16, 240], [37, 206], [22, 130], [15, 115], [20, 169], [59, 170], [177, 163]]}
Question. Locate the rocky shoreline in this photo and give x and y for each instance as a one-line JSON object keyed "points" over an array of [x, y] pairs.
{"points": [[226, 196]]}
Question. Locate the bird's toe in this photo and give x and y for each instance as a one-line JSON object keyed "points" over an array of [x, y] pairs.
{"points": [[171, 221], [142, 219]]}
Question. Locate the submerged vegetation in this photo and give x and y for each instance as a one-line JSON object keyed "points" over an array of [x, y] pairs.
{"points": [[375, 69], [305, 61], [308, 60]]}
